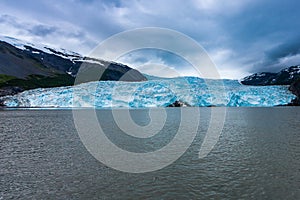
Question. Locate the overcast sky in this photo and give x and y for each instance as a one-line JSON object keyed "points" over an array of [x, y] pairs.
{"points": [[241, 36]]}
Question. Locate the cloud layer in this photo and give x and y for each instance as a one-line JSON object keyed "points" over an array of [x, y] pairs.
{"points": [[241, 37]]}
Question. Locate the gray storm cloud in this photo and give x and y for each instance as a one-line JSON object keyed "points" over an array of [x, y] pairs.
{"points": [[241, 37]]}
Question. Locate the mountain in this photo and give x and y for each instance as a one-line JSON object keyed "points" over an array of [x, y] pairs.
{"points": [[27, 66], [285, 77], [288, 76]]}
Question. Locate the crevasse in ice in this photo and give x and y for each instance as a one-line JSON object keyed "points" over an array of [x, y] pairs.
{"points": [[153, 93]]}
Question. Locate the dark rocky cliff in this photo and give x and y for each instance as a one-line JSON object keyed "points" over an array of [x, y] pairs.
{"points": [[295, 89]]}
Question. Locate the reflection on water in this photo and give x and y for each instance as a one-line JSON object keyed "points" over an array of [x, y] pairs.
{"points": [[257, 157]]}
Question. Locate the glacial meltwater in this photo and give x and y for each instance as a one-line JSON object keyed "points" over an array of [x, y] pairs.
{"points": [[256, 157]]}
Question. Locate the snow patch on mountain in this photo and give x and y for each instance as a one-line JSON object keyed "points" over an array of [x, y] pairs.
{"points": [[20, 44]]}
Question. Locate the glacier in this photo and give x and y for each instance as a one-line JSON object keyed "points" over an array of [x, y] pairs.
{"points": [[153, 93]]}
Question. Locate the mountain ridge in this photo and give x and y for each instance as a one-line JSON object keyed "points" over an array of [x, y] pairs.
{"points": [[287, 76], [284, 77], [27, 66]]}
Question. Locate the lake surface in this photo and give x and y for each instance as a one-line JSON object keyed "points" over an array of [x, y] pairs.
{"points": [[257, 157]]}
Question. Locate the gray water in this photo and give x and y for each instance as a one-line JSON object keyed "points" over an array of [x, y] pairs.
{"points": [[256, 157]]}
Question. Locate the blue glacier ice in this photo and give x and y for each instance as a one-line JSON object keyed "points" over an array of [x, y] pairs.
{"points": [[153, 93]]}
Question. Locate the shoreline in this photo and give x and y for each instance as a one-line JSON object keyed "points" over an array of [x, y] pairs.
{"points": [[142, 108]]}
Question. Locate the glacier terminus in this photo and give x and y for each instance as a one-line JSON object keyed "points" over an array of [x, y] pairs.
{"points": [[153, 93]]}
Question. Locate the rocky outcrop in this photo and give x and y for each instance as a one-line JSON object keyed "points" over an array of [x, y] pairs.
{"points": [[285, 77], [10, 90], [295, 89], [5, 91], [179, 104]]}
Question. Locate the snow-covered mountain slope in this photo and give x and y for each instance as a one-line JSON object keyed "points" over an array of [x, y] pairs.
{"points": [[23, 45], [284, 77], [153, 93], [28, 66], [63, 60]]}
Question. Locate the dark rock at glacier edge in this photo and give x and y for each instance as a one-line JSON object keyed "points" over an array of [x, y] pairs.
{"points": [[295, 89], [10, 90], [179, 104]]}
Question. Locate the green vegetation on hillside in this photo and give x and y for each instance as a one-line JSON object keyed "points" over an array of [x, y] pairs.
{"points": [[4, 78], [37, 81]]}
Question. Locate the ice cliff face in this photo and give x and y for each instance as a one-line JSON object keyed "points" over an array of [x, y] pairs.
{"points": [[153, 93]]}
